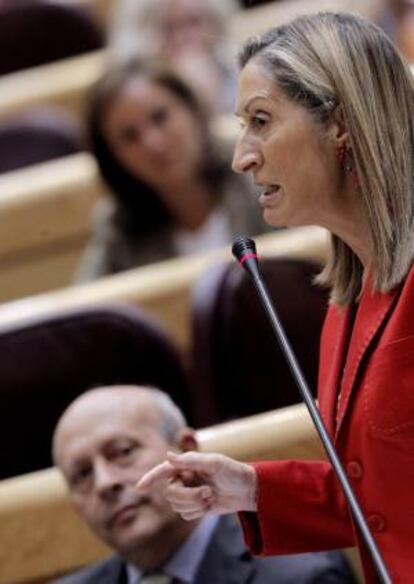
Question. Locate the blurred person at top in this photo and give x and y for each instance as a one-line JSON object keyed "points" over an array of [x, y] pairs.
{"points": [[189, 35], [396, 18]]}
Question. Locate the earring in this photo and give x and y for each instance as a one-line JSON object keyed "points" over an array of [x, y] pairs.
{"points": [[345, 159]]}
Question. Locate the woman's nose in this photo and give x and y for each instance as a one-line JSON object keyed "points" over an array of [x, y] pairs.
{"points": [[154, 140], [244, 159]]}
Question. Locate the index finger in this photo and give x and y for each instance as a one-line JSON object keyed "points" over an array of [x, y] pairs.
{"points": [[163, 471]]}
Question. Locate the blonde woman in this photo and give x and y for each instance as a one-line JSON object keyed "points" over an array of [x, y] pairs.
{"points": [[327, 108]]}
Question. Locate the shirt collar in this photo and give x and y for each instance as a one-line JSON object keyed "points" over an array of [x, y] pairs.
{"points": [[183, 565]]}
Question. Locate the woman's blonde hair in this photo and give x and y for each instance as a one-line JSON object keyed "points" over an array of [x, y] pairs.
{"points": [[327, 60]]}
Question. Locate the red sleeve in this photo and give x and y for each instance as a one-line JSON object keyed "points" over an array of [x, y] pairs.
{"points": [[300, 508]]}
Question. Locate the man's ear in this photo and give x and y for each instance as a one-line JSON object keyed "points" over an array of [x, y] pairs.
{"points": [[187, 440], [337, 129]]}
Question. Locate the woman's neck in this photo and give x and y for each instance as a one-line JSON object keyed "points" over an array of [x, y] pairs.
{"points": [[348, 221]]}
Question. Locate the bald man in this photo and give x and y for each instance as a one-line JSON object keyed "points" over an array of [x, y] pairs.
{"points": [[104, 442]]}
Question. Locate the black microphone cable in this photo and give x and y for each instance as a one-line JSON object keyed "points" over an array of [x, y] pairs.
{"points": [[244, 250]]}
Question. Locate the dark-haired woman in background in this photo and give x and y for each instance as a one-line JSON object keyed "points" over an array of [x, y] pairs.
{"points": [[173, 189]]}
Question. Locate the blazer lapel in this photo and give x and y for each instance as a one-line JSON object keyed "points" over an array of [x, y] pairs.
{"points": [[372, 312], [111, 571], [117, 573], [335, 339]]}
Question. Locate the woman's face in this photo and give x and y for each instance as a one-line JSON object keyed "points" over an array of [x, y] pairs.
{"points": [[185, 25], [154, 135], [291, 157]]}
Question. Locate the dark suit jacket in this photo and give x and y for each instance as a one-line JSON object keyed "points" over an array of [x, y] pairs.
{"points": [[227, 561]]}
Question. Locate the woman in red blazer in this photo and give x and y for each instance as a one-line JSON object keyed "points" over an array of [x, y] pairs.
{"points": [[327, 109]]}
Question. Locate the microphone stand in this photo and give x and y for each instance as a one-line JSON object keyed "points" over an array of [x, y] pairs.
{"points": [[244, 250]]}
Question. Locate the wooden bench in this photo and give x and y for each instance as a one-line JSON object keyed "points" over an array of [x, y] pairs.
{"points": [[164, 288], [45, 222]]}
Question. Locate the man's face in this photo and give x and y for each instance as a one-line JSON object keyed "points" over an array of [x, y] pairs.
{"points": [[103, 447]]}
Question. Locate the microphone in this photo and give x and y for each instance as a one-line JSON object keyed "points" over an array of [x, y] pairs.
{"points": [[244, 250]]}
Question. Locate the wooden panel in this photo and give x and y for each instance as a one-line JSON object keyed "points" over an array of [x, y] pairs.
{"points": [[62, 83], [46, 203], [279, 434], [45, 222], [39, 272], [40, 534]]}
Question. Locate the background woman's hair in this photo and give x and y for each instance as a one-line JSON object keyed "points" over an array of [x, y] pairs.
{"points": [[140, 208], [331, 59]]}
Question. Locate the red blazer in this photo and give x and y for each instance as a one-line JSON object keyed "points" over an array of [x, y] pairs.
{"points": [[366, 398]]}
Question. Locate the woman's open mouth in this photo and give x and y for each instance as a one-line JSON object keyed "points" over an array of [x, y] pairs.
{"points": [[270, 195]]}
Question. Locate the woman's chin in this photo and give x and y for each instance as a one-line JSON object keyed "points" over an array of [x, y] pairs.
{"points": [[273, 218]]}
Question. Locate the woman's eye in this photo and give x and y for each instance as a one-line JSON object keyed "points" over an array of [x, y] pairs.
{"points": [[258, 122], [160, 115]]}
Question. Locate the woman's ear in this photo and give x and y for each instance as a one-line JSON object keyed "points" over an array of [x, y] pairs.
{"points": [[337, 129], [187, 440]]}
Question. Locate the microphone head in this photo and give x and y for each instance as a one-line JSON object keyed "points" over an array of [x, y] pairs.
{"points": [[243, 247]]}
